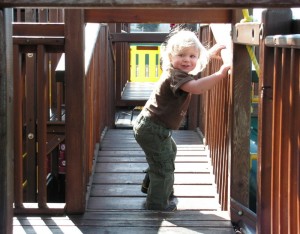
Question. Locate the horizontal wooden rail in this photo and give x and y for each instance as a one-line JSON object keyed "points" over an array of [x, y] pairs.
{"points": [[283, 41], [39, 29], [150, 3], [154, 15], [28, 44], [139, 37]]}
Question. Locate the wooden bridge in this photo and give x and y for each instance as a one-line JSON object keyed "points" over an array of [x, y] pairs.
{"points": [[77, 171], [115, 203]]}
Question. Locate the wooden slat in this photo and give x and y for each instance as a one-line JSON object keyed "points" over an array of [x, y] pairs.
{"points": [[130, 190], [140, 91], [136, 203], [141, 159], [139, 37], [132, 167], [134, 15], [42, 125], [136, 178], [39, 29], [18, 126]]}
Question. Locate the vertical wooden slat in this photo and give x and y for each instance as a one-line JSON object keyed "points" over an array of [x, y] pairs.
{"points": [[6, 122], [277, 111], [29, 77], [29, 111], [42, 113], [285, 157], [75, 111], [294, 143], [119, 74], [18, 129], [264, 140]]}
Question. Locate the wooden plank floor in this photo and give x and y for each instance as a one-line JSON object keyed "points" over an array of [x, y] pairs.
{"points": [[140, 91], [115, 203]]}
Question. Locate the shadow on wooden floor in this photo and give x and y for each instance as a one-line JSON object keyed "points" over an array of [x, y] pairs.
{"points": [[115, 203]]}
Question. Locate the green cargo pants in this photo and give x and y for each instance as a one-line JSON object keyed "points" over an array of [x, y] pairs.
{"points": [[160, 149]]}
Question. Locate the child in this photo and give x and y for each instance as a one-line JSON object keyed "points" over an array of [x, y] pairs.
{"points": [[183, 59]]}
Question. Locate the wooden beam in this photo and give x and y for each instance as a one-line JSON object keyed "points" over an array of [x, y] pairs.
{"points": [[75, 112], [154, 15], [39, 40], [241, 96], [6, 122], [39, 29], [139, 37], [151, 3]]}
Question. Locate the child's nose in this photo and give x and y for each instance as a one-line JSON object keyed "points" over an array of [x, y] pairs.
{"points": [[185, 58]]}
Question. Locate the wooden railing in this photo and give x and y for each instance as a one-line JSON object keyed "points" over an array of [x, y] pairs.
{"points": [[100, 83], [279, 139], [44, 140], [214, 122], [36, 51], [224, 120], [278, 169], [282, 164]]}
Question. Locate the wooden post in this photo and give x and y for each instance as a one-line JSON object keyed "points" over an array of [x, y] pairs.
{"points": [[75, 112], [6, 124], [42, 110], [240, 125]]}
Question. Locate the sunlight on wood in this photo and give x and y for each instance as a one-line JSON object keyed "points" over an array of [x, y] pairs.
{"points": [[45, 225]]}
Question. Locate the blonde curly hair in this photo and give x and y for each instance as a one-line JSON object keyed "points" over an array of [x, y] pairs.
{"points": [[179, 41]]}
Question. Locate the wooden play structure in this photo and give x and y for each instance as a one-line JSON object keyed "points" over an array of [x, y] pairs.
{"points": [[66, 69]]}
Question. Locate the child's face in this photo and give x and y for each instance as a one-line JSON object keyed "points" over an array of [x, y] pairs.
{"points": [[186, 59]]}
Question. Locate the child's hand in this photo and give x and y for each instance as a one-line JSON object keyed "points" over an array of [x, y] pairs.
{"points": [[224, 70], [215, 51]]}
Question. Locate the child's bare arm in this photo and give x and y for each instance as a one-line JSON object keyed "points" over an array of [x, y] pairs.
{"points": [[201, 85]]}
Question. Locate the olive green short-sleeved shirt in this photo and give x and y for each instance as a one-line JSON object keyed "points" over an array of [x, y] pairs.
{"points": [[168, 103]]}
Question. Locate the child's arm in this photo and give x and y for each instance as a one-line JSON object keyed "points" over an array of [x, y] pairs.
{"points": [[215, 51], [203, 84]]}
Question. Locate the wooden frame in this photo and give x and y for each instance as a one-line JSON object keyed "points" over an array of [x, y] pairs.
{"points": [[150, 3]]}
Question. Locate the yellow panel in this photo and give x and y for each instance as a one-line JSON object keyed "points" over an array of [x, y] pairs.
{"points": [[138, 72]]}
